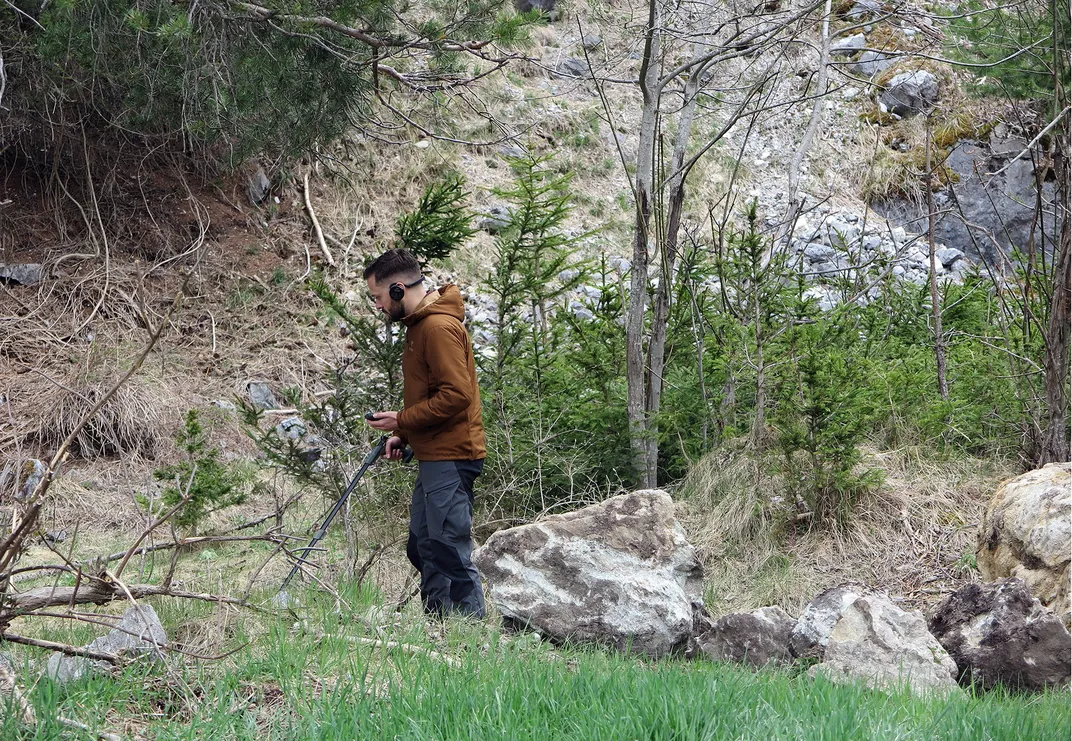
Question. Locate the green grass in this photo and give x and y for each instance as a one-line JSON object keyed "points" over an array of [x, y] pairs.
{"points": [[314, 684]]}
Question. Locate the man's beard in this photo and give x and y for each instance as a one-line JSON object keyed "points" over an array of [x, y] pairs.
{"points": [[395, 311]]}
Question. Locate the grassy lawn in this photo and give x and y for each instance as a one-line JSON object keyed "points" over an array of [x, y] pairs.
{"points": [[309, 679]]}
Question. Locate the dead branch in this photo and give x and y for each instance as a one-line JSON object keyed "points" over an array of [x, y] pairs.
{"points": [[316, 222], [183, 543], [61, 647], [99, 592], [395, 646]]}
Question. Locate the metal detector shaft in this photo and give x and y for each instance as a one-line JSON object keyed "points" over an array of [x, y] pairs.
{"points": [[375, 453]]}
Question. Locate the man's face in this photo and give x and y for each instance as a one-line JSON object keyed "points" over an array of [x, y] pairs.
{"points": [[380, 294]]}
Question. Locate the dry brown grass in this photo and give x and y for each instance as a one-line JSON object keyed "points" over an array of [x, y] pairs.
{"points": [[128, 424], [914, 536]]}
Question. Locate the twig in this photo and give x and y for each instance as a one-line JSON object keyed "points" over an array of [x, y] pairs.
{"points": [[395, 645], [100, 592], [61, 647], [316, 223], [1034, 141]]}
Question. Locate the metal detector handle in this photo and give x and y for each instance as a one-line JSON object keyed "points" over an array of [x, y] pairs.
{"points": [[373, 454]]}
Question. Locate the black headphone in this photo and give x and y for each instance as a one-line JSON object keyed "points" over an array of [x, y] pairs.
{"points": [[397, 291]]}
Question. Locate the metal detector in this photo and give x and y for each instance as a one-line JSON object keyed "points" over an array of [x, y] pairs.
{"points": [[283, 599]]}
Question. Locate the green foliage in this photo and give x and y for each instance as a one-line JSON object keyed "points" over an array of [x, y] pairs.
{"points": [[534, 260], [230, 80], [823, 416], [510, 687], [199, 484], [333, 432], [439, 224], [530, 393], [1024, 46]]}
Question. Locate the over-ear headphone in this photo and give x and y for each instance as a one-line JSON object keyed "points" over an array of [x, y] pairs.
{"points": [[397, 291]]}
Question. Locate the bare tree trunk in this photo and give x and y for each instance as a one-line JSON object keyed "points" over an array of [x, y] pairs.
{"points": [[793, 202], [758, 435], [661, 313], [1055, 446], [936, 307], [638, 293]]}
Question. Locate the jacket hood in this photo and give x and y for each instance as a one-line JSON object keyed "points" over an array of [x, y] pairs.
{"points": [[446, 300]]}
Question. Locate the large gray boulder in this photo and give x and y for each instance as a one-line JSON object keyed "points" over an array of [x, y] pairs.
{"points": [[877, 643], [810, 635], [138, 633], [910, 92], [1026, 531], [759, 637], [996, 195], [999, 634], [619, 573]]}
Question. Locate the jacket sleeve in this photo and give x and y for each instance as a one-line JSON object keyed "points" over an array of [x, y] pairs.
{"points": [[447, 354]]}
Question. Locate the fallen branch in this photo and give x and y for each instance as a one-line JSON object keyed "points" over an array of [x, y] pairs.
{"points": [[316, 223], [395, 645], [63, 648], [187, 542], [98, 592]]}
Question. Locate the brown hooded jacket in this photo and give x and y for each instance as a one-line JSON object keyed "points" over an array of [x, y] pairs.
{"points": [[441, 418]]}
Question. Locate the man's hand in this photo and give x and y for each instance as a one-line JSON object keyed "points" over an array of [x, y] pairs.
{"points": [[385, 421], [395, 449]]}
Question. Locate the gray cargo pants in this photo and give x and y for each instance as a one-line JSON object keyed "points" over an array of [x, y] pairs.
{"points": [[440, 543]]}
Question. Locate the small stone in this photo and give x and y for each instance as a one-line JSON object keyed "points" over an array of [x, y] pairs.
{"points": [[910, 93], [865, 7], [818, 252], [512, 151], [497, 219], [258, 186], [591, 41], [292, 428], [572, 67], [139, 632], [261, 396], [872, 63], [848, 46], [948, 255]]}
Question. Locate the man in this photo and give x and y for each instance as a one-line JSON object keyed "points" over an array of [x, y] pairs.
{"points": [[441, 420]]}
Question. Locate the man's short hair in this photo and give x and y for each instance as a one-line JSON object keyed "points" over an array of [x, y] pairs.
{"points": [[396, 263]]}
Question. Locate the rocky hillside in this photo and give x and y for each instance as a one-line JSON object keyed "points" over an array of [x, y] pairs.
{"points": [[852, 119]]}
